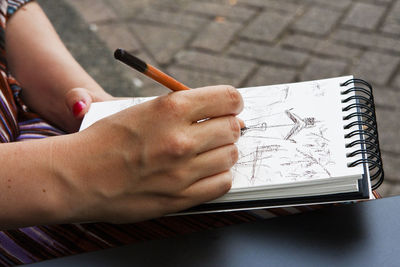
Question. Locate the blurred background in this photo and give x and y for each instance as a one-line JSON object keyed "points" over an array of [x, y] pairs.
{"points": [[243, 43]]}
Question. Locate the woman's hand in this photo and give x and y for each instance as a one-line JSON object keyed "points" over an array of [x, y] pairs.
{"points": [[78, 101], [152, 159]]}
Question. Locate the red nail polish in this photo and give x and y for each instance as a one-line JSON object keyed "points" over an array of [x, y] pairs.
{"points": [[78, 107]]}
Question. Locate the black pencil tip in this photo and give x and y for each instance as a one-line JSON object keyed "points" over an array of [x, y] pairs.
{"points": [[123, 56], [118, 53]]}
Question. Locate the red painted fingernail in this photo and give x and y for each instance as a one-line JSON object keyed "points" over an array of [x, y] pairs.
{"points": [[78, 107]]}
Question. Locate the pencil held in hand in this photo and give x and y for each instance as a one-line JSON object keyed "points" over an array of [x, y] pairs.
{"points": [[153, 73], [149, 70]]}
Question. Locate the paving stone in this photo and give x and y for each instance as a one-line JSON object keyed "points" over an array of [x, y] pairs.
{"points": [[367, 40], [333, 49], [217, 35], [117, 35], [318, 68], [392, 21], [391, 25], [268, 75], [177, 5], [86, 47], [377, 2], [273, 4], [198, 78], [317, 20], [388, 126], [381, 1], [234, 13], [224, 2], [389, 188], [93, 10], [394, 8], [391, 166], [396, 82], [376, 67], [267, 26], [386, 99], [300, 41], [230, 67], [364, 15], [285, 5], [161, 42], [178, 19], [336, 4], [266, 54], [128, 8]]}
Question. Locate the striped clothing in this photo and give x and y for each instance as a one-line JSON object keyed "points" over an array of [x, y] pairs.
{"points": [[32, 244], [16, 122]]}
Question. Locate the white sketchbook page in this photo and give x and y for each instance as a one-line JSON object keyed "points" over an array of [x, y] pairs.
{"points": [[295, 133], [101, 110]]}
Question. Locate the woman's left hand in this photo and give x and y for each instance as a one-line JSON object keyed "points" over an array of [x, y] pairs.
{"points": [[78, 101]]}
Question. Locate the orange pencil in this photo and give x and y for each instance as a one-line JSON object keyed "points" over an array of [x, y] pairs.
{"points": [[153, 73], [149, 70]]}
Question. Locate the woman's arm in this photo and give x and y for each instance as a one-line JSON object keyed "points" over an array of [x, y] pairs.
{"points": [[40, 62]]}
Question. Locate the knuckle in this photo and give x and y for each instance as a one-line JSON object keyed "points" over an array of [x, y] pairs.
{"points": [[234, 96], [180, 145], [173, 104]]}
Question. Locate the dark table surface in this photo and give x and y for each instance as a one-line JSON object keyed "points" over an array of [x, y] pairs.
{"points": [[362, 234]]}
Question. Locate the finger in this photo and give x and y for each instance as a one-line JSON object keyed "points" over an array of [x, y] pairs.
{"points": [[201, 166], [208, 189], [213, 101], [215, 132], [78, 101], [213, 162]]}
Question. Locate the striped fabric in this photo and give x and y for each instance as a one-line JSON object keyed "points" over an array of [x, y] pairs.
{"points": [[16, 122], [32, 244]]}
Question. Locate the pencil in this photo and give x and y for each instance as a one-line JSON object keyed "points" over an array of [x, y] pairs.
{"points": [[149, 70], [155, 74]]}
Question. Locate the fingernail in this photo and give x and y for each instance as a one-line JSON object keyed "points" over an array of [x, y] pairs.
{"points": [[78, 107]]}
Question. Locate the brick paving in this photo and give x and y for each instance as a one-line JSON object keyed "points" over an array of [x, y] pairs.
{"points": [[259, 42]]}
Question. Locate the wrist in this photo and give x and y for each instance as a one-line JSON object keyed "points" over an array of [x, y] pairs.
{"points": [[76, 198], [66, 202]]}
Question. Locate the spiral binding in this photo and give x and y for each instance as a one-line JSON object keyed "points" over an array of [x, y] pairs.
{"points": [[361, 100]]}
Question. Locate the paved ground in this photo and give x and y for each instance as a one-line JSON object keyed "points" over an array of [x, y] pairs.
{"points": [[244, 43]]}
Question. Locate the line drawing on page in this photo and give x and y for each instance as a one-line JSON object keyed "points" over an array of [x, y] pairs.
{"points": [[281, 141]]}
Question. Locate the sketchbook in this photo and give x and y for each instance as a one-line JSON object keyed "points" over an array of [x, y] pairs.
{"points": [[304, 143]]}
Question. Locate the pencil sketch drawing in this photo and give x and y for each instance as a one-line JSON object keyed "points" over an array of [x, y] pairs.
{"points": [[283, 140], [298, 124]]}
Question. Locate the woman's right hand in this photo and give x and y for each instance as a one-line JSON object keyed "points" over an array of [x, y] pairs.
{"points": [[152, 159]]}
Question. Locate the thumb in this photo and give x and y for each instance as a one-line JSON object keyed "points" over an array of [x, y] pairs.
{"points": [[78, 101]]}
